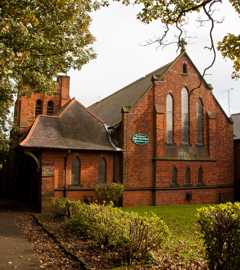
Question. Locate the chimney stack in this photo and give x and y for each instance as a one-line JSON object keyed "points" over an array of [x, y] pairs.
{"points": [[63, 89]]}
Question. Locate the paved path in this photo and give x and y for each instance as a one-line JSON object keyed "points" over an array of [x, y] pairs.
{"points": [[15, 251]]}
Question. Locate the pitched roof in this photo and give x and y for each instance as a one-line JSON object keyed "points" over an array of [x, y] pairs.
{"points": [[109, 108], [74, 128], [236, 125]]}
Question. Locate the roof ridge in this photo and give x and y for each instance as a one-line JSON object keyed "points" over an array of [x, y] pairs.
{"points": [[93, 115], [65, 107], [123, 88]]}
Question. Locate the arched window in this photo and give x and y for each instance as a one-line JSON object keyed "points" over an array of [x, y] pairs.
{"points": [[76, 172], [185, 116], [184, 68], [174, 176], [50, 107], [187, 176], [200, 122], [102, 171], [38, 107], [200, 176], [169, 119]]}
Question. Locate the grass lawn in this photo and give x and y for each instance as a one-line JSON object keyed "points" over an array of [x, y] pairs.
{"points": [[185, 237]]}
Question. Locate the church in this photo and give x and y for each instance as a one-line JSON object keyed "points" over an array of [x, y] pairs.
{"points": [[164, 137]]}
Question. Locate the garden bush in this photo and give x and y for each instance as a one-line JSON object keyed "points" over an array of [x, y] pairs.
{"points": [[109, 192], [60, 208], [145, 234], [131, 235], [104, 224], [220, 227]]}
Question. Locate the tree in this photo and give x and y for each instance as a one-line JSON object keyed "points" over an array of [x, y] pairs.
{"points": [[38, 40], [174, 13]]}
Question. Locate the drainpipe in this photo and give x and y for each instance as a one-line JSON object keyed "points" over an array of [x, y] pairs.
{"points": [[65, 173]]}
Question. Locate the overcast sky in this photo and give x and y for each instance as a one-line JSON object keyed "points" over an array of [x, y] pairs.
{"points": [[122, 57]]}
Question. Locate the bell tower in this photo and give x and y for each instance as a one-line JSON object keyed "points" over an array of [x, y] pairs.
{"points": [[27, 108]]}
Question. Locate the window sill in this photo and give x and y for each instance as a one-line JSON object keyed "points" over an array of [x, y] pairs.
{"points": [[186, 144], [75, 186], [170, 144], [200, 185], [187, 185], [200, 144], [174, 185]]}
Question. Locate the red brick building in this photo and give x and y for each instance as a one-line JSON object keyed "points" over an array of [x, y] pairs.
{"points": [[165, 137], [236, 130]]}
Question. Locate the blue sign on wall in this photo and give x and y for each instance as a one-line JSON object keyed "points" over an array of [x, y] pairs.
{"points": [[140, 138]]}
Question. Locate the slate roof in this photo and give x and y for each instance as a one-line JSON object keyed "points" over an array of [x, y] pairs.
{"points": [[74, 128], [236, 125], [109, 108]]}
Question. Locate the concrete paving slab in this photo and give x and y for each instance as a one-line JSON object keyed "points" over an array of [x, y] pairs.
{"points": [[15, 251]]}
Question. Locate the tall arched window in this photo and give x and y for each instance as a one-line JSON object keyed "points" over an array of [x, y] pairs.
{"points": [[200, 122], [174, 176], [50, 107], [38, 107], [76, 172], [169, 119], [200, 176], [187, 176], [185, 116], [102, 171]]}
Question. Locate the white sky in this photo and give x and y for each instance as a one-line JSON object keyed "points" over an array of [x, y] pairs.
{"points": [[122, 58]]}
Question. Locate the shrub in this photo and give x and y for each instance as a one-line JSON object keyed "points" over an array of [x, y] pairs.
{"points": [[133, 236], [146, 234], [220, 227], [81, 219], [104, 224], [109, 192], [61, 207]]}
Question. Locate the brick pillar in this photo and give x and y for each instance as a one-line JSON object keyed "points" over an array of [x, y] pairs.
{"points": [[212, 127], [158, 132], [159, 118], [125, 111], [63, 89]]}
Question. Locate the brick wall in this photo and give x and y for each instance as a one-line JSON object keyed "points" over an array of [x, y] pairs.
{"points": [[54, 185], [148, 116], [237, 169], [138, 158]]}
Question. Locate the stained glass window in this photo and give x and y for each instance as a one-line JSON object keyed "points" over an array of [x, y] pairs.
{"points": [[169, 119], [102, 173], [185, 116], [200, 122], [76, 172], [187, 176], [200, 176], [174, 176]]}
